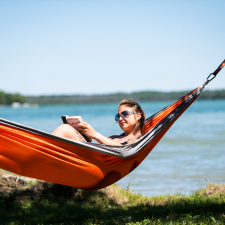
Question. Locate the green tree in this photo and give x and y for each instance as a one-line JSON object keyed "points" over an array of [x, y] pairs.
{"points": [[8, 99]]}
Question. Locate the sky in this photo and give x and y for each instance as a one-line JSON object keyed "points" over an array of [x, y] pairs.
{"points": [[98, 47]]}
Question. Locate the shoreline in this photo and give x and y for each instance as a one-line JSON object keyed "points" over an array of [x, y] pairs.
{"points": [[141, 96]]}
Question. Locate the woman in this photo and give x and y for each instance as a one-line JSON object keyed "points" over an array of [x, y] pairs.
{"points": [[131, 119]]}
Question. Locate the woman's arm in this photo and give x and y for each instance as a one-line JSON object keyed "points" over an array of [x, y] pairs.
{"points": [[89, 131]]}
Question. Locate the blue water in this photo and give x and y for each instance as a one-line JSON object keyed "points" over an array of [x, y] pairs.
{"points": [[194, 146]]}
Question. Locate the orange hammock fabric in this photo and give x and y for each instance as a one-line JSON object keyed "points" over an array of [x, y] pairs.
{"points": [[29, 154], [32, 153]]}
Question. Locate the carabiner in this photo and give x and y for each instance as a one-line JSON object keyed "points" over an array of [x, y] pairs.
{"points": [[211, 74]]}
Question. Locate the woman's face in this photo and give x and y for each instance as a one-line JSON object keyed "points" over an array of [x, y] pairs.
{"points": [[130, 122]]}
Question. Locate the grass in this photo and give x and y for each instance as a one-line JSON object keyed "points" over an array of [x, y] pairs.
{"points": [[23, 202]]}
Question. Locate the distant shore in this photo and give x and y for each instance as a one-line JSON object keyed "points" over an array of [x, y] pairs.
{"points": [[117, 97], [8, 99]]}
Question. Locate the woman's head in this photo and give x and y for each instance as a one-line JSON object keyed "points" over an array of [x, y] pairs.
{"points": [[136, 114]]}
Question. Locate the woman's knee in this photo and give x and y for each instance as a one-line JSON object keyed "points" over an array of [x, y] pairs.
{"points": [[65, 130]]}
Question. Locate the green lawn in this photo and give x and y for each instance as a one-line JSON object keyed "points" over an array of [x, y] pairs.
{"points": [[29, 202]]}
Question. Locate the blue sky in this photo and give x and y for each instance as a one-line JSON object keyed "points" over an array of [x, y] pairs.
{"points": [[92, 47]]}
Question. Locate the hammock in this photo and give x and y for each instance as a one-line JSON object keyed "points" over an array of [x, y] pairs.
{"points": [[33, 153]]}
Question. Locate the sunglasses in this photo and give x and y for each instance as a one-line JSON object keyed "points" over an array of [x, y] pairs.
{"points": [[124, 114]]}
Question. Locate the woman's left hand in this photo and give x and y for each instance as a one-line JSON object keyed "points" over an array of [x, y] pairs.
{"points": [[88, 130]]}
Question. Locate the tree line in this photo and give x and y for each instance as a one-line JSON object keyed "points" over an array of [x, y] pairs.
{"points": [[117, 97], [7, 99]]}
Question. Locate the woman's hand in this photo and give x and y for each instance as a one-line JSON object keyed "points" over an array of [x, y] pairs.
{"points": [[88, 130]]}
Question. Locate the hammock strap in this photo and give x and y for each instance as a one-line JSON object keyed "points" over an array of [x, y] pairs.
{"points": [[213, 75]]}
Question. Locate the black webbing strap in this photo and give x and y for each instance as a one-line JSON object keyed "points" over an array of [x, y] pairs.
{"points": [[219, 68]]}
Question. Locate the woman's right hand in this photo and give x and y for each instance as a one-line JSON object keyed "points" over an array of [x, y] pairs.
{"points": [[88, 130]]}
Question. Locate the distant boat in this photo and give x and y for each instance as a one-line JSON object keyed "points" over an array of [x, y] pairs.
{"points": [[35, 105], [16, 105], [26, 105]]}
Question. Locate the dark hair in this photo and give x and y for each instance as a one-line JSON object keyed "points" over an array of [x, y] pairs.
{"points": [[137, 108]]}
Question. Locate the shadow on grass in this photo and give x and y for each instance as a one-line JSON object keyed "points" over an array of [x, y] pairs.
{"points": [[47, 203]]}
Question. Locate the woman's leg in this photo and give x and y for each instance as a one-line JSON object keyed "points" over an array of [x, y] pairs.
{"points": [[67, 131]]}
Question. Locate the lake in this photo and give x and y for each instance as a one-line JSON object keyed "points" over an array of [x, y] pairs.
{"points": [[194, 146]]}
